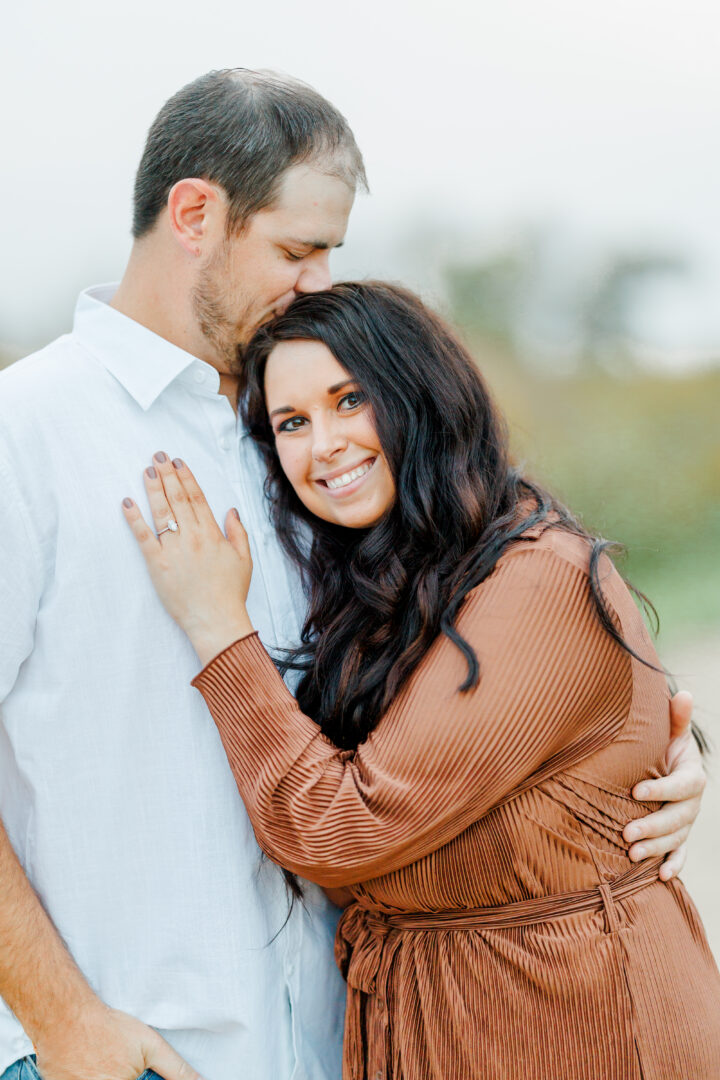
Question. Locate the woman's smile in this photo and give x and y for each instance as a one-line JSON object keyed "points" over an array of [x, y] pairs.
{"points": [[325, 435], [345, 482]]}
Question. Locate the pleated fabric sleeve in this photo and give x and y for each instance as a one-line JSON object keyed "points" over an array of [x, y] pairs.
{"points": [[439, 759]]}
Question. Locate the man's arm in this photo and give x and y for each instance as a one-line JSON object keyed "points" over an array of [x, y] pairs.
{"points": [[74, 1033], [681, 790]]}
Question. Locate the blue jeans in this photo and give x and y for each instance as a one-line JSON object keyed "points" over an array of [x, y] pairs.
{"points": [[26, 1069]]}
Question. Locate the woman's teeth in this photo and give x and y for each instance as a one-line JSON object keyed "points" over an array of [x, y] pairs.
{"points": [[348, 477]]}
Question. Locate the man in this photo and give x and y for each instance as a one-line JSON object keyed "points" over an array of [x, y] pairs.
{"points": [[139, 927]]}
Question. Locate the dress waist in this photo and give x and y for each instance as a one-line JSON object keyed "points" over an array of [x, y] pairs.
{"points": [[368, 942], [523, 912]]}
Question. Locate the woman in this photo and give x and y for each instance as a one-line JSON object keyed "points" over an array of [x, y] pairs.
{"points": [[478, 694]]}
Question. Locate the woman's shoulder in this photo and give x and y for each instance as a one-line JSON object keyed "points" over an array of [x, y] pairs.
{"points": [[547, 567], [553, 539], [551, 542]]}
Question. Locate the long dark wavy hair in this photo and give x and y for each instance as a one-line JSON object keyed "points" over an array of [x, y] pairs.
{"points": [[379, 597]]}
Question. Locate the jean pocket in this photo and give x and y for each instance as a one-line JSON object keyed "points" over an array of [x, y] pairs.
{"points": [[27, 1070]]}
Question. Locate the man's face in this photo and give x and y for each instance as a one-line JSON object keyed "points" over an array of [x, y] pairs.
{"points": [[282, 251]]}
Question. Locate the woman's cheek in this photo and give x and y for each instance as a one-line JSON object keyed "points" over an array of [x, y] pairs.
{"points": [[293, 463]]}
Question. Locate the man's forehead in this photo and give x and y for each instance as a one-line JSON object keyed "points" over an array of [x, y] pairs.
{"points": [[308, 196]]}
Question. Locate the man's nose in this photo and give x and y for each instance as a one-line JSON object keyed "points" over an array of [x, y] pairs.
{"points": [[315, 274]]}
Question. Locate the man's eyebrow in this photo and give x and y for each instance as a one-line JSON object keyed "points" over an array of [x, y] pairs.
{"points": [[317, 245]]}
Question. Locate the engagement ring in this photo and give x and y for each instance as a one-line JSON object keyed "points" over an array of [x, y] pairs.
{"points": [[172, 526]]}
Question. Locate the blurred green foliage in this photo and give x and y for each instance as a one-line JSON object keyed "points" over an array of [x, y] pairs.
{"points": [[636, 455]]}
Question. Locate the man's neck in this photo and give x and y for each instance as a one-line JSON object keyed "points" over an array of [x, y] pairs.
{"points": [[150, 294]]}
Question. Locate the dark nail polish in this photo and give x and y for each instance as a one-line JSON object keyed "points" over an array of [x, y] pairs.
{"points": [[127, 503], [177, 463], [162, 458], [151, 472]]}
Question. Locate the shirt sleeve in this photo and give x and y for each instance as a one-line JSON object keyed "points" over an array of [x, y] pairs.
{"points": [[20, 580], [439, 759]]}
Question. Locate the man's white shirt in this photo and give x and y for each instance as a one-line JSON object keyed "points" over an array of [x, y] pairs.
{"points": [[114, 786]]}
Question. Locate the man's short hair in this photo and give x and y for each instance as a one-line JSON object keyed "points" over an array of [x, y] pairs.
{"points": [[241, 129]]}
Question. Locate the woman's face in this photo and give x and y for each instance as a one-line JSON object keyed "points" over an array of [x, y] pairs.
{"points": [[325, 435]]}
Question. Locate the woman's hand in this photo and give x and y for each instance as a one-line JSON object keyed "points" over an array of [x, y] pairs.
{"points": [[681, 790], [201, 577]]}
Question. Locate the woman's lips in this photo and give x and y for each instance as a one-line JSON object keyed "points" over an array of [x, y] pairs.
{"points": [[349, 481]]}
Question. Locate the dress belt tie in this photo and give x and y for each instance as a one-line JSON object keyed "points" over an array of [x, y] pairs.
{"points": [[523, 912]]}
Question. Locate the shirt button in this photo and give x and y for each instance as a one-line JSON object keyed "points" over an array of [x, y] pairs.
{"points": [[199, 376], [225, 443]]}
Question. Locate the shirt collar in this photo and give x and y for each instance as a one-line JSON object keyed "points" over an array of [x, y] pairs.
{"points": [[144, 363]]}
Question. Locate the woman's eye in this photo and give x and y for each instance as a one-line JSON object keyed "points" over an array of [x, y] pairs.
{"points": [[293, 257], [352, 400], [294, 423]]}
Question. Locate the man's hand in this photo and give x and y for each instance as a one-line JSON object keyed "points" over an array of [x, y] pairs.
{"points": [[681, 790], [75, 1035], [105, 1044]]}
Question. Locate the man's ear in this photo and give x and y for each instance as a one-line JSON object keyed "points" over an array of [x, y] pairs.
{"points": [[196, 212]]}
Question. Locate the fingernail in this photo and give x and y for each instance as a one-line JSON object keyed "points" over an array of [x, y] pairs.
{"points": [[235, 513], [177, 463], [640, 852], [632, 832], [151, 472], [162, 458], [642, 792], [127, 503]]}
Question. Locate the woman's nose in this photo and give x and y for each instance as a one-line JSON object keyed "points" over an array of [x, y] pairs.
{"points": [[328, 441]]}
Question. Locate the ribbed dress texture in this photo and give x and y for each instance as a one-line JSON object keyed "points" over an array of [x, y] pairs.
{"points": [[498, 930]]}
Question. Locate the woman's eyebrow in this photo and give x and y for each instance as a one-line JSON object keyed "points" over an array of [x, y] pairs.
{"points": [[334, 389]]}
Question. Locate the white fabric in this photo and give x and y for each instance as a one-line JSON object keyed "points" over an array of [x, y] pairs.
{"points": [[114, 786]]}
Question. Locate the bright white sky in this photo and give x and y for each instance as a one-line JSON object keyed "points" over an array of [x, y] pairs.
{"points": [[598, 117]]}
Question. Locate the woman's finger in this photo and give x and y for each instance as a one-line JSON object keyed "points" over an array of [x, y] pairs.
{"points": [[162, 515], [193, 493], [146, 538], [173, 491], [236, 534]]}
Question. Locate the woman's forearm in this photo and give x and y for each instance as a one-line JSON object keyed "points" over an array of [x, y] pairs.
{"points": [[209, 640]]}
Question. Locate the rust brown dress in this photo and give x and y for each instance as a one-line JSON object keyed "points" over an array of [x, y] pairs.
{"points": [[498, 930]]}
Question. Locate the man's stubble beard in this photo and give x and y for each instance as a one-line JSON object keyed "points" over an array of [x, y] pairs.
{"points": [[211, 309]]}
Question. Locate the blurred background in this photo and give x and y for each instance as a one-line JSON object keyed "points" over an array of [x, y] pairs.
{"points": [[546, 174]]}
